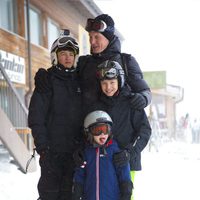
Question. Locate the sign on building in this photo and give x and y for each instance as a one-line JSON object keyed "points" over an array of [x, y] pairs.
{"points": [[14, 66]]}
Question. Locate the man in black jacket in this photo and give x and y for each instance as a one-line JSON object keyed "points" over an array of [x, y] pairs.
{"points": [[105, 45], [55, 120]]}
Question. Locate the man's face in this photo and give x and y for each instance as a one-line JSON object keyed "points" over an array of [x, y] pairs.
{"points": [[98, 42], [66, 58], [109, 87]]}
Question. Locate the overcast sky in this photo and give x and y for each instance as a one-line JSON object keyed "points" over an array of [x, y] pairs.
{"points": [[163, 35]]}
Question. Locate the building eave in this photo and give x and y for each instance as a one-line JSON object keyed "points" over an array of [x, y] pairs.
{"points": [[90, 10]]}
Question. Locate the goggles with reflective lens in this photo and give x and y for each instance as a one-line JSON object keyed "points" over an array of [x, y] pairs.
{"points": [[98, 129], [107, 73], [67, 41], [95, 25]]}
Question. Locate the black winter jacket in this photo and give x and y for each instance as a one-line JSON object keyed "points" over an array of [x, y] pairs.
{"points": [[86, 67], [129, 126], [55, 116]]}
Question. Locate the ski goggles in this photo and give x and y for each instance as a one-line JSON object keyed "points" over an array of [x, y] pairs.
{"points": [[107, 73], [67, 42], [95, 25], [98, 129]]}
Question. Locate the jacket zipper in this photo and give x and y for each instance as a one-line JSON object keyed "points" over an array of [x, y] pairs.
{"points": [[97, 174]]}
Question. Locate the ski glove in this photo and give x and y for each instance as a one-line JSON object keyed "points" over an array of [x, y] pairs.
{"points": [[78, 157], [77, 191], [47, 161], [42, 81], [44, 155], [121, 158], [138, 101], [126, 188], [43, 148]]}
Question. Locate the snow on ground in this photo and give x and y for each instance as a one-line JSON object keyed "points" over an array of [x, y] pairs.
{"points": [[172, 173], [14, 184]]}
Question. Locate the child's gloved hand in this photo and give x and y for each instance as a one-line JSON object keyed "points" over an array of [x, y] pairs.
{"points": [[78, 157], [121, 158], [126, 188]]}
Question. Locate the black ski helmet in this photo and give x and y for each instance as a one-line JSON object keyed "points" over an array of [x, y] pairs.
{"points": [[110, 69]]}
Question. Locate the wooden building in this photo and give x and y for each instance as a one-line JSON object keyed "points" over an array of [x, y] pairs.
{"points": [[30, 40]]}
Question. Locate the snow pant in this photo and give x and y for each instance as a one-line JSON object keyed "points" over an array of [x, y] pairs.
{"points": [[132, 179], [56, 178]]}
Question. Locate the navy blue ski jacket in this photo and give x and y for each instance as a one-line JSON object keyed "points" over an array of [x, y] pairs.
{"points": [[99, 177]]}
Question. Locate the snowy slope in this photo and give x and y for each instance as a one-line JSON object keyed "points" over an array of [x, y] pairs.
{"points": [[172, 173]]}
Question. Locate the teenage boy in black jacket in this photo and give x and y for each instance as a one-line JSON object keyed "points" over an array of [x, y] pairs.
{"points": [[55, 120]]}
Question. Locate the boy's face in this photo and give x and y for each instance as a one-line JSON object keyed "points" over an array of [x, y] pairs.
{"points": [[66, 58], [109, 87]]}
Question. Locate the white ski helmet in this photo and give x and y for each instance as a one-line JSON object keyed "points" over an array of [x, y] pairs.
{"points": [[62, 43], [95, 117]]}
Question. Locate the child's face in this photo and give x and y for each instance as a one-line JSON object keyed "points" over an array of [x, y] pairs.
{"points": [[100, 133], [101, 139], [109, 87], [66, 58]]}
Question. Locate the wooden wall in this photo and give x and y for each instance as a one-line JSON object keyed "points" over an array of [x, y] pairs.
{"points": [[61, 11], [17, 45]]}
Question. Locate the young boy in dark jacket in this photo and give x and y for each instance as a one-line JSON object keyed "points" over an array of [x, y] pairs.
{"points": [[98, 178], [131, 128]]}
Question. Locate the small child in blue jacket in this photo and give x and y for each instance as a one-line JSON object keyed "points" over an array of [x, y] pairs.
{"points": [[98, 178]]}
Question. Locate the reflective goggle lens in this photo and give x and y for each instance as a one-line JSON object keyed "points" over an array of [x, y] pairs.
{"points": [[94, 25], [67, 41], [107, 73], [99, 129]]}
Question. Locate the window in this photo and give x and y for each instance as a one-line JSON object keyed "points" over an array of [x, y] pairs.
{"points": [[8, 19], [53, 32], [35, 26]]}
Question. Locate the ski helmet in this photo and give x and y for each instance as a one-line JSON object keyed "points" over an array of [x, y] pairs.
{"points": [[94, 119], [109, 70], [64, 42]]}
